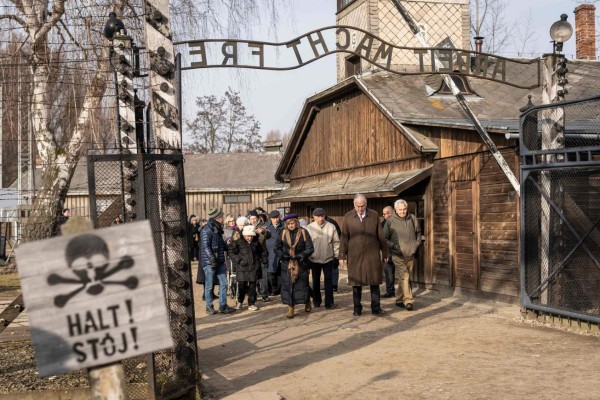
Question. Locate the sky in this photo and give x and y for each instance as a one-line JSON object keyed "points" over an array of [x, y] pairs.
{"points": [[276, 98]]}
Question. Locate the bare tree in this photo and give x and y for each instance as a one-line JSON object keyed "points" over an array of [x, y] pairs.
{"points": [[223, 125], [273, 135], [67, 60], [525, 35], [491, 22]]}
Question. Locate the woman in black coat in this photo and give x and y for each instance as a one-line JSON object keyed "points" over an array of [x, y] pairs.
{"points": [[293, 247], [248, 257]]}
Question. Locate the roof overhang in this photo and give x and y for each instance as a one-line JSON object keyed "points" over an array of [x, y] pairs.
{"points": [[384, 185]]}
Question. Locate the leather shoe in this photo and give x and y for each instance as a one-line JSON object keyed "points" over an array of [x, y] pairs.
{"points": [[226, 310], [331, 307], [409, 307], [388, 295], [401, 305], [378, 312], [210, 311], [357, 313]]}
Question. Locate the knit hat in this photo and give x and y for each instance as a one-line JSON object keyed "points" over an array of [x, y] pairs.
{"points": [[274, 214], [242, 221], [215, 213], [290, 216], [319, 212], [249, 230]]}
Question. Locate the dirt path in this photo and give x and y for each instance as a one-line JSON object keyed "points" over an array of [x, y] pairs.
{"points": [[446, 349]]}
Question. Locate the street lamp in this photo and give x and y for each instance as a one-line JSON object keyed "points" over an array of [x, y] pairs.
{"points": [[114, 25], [560, 32]]}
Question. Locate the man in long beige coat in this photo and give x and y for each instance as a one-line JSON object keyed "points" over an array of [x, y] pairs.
{"points": [[362, 247]]}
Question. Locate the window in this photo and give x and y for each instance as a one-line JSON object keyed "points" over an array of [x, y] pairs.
{"points": [[343, 3], [460, 81], [243, 198], [353, 66]]}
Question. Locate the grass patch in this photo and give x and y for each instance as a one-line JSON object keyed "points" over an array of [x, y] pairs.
{"points": [[9, 281]]}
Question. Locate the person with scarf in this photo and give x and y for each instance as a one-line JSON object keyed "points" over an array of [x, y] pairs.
{"points": [[293, 247], [212, 259]]}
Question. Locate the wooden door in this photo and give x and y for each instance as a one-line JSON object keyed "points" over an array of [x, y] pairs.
{"points": [[466, 249]]}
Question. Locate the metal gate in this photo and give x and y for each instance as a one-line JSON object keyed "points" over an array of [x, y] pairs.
{"points": [[151, 186], [560, 210]]}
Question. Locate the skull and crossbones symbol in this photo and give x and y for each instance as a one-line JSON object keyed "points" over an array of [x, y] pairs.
{"points": [[88, 258]]}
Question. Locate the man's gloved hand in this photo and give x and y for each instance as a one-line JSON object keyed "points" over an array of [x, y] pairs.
{"points": [[300, 259], [213, 262], [286, 257]]}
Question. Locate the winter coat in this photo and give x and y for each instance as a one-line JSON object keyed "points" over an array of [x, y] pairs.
{"points": [[300, 291], [274, 231], [402, 235], [363, 246], [247, 258], [212, 244]]}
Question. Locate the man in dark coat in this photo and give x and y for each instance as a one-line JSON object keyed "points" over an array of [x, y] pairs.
{"points": [[212, 258], [248, 256], [361, 248], [294, 247], [274, 226], [263, 234]]}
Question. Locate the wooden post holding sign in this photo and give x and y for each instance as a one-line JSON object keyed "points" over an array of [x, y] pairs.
{"points": [[94, 298]]}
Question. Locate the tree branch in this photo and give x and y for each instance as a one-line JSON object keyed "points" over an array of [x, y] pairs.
{"points": [[13, 17], [58, 11]]}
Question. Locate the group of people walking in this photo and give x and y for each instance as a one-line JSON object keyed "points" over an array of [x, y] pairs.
{"points": [[271, 255]]}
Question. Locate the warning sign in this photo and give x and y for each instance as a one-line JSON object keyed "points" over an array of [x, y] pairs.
{"points": [[93, 298]]}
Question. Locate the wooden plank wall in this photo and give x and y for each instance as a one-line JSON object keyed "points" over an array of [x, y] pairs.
{"points": [[441, 224], [499, 230], [352, 134], [198, 203]]}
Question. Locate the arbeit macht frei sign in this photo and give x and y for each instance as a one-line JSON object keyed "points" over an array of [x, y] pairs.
{"points": [[223, 53]]}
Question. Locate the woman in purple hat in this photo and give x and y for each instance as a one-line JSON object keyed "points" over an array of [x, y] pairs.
{"points": [[293, 248]]}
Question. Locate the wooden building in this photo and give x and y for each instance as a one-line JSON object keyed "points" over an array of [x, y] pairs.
{"points": [[390, 136], [237, 182]]}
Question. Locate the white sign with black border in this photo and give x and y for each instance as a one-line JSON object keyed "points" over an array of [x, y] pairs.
{"points": [[93, 298]]}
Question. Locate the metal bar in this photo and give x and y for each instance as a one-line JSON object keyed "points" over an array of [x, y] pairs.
{"points": [[91, 160], [564, 262], [463, 102], [585, 136], [562, 217], [568, 314]]}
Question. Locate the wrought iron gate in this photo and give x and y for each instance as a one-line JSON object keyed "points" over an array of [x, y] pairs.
{"points": [[151, 186], [560, 209]]}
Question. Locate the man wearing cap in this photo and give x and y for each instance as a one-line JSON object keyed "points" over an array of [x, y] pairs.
{"points": [[212, 258], [248, 256], [263, 234], [361, 247], [294, 247], [327, 245], [274, 226]]}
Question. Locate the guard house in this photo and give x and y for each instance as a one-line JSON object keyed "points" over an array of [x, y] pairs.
{"points": [[391, 136]]}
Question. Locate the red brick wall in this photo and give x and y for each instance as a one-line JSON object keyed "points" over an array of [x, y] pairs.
{"points": [[585, 31]]}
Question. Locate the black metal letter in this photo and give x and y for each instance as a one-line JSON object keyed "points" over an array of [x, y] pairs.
{"points": [[420, 52], [202, 51], [232, 55], [295, 46], [383, 52], [314, 43], [260, 52], [368, 47], [338, 44]]}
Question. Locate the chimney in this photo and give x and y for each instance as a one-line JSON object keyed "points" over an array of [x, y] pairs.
{"points": [[478, 43], [585, 31], [272, 145]]}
